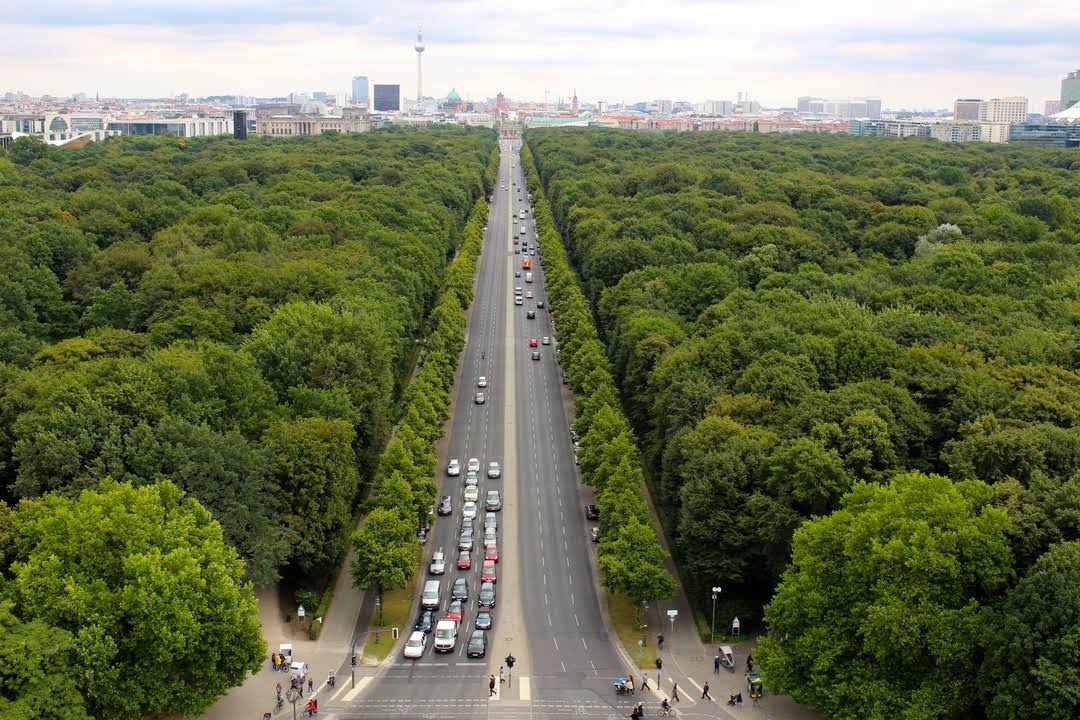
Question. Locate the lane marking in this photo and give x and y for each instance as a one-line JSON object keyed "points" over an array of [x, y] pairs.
{"points": [[360, 685], [524, 689]]}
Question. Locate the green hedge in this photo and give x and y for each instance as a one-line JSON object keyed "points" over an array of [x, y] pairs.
{"points": [[631, 558]]}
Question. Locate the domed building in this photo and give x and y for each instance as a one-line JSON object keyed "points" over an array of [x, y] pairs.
{"points": [[453, 101]]}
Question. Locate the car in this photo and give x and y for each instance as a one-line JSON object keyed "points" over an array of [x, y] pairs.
{"points": [[472, 479], [487, 574], [453, 467], [491, 522], [530, 315], [532, 252], [518, 289], [438, 563], [493, 501], [517, 250], [468, 524], [415, 645], [481, 382], [473, 465], [472, 494], [539, 303], [486, 598], [425, 622], [545, 340], [468, 510], [480, 398], [460, 590], [528, 294], [533, 342], [456, 611], [494, 470], [464, 560], [592, 512], [491, 551], [445, 507], [535, 354], [594, 534], [518, 300], [477, 646], [445, 635], [484, 620], [465, 541], [517, 273], [490, 537], [421, 535]]}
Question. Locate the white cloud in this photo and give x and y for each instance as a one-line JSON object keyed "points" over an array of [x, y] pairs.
{"points": [[917, 53]]}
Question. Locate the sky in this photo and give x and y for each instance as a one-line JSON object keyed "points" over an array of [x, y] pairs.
{"points": [[912, 54]]}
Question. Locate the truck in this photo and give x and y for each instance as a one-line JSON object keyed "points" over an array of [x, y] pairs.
{"points": [[446, 635]]}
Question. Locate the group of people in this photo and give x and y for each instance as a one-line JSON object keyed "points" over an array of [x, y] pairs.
{"points": [[279, 661]]}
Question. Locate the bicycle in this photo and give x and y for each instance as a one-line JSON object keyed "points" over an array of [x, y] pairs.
{"points": [[670, 712]]}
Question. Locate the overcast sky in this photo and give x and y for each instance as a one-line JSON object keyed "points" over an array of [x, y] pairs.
{"points": [[912, 53]]}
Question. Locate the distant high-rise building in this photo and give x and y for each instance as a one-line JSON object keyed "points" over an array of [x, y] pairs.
{"points": [[843, 108], [966, 109], [1003, 110], [387, 98], [500, 102], [1051, 107], [240, 124], [360, 90], [419, 47], [1070, 90]]}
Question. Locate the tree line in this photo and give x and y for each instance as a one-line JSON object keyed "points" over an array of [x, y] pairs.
{"points": [[851, 370], [203, 344]]}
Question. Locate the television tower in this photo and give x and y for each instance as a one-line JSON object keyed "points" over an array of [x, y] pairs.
{"points": [[419, 47]]}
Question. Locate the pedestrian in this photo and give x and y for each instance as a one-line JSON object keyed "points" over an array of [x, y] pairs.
{"points": [[645, 681], [310, 686], [755, 697], [716, 664], [675, 691], [749, 662], [279, 689], [501, 680], [630, 685], [660, 641], [491, 685], [705, 692]]}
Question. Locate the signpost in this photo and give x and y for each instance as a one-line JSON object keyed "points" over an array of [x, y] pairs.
{"points": [[712, 628]]}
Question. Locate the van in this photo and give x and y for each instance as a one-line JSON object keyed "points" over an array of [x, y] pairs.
{"points": [[429, 600], [445, 635], [528, 277]]}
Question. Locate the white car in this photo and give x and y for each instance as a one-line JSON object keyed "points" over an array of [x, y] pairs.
{"points": [[528, 295], [472, 479], [491, 522], [415, 645], [438, 563], [494, 471], [517, 300], [472, 494], [453, 468], [545, 340], [468, 510], [481, 382], [474, 465]]}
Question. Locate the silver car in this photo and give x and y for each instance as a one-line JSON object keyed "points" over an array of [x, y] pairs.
{"points": [[438, 563], [493, 501], [494, 471], [474, 465]]}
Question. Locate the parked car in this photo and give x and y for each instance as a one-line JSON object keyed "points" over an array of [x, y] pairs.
{"points": [[446, 506], [594, 534], [592, 512]]}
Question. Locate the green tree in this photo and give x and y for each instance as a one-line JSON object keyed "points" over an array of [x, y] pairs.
{"points": [[162, 618], [879, 614], [387, 555]]}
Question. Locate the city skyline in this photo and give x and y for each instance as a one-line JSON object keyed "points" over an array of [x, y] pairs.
{"points": [[774, 51]]}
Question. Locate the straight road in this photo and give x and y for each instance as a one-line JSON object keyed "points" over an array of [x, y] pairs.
{"points": [[547, 614]]}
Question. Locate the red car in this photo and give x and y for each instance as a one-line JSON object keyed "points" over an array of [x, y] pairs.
{"points": [[491, 552], [488, 573], [464, 560], [532, 342], [455, 611]]}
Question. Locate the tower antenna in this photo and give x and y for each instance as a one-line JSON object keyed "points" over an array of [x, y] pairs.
{"points": [[419, 47]]}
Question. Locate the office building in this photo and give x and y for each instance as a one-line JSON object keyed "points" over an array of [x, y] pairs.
{"points": [[387, 98], [360, 90], [240, 124], [888, 128], [716, 107], [174, 127], [853, 108], [955, 131], [1051, 107], [1070, 90], [1057, 134], [57, 128], [966, 109], [1003, 110]]}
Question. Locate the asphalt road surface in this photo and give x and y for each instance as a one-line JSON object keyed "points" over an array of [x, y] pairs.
{"points": [[546, 614]]}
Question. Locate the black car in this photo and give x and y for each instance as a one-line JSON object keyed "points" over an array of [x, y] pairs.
{"points": [[539, 303], [461, 589], [530, 314], [477, 647], [592, 512], [446, 506], [486, 599], [425, 622], [484, 620]]}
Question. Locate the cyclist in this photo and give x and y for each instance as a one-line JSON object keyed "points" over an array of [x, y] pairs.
{"points": [[665, 707]]}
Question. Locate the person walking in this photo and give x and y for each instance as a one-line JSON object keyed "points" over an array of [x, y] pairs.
{"points": [[630, 684], [749, 662], [705, 692], [501, 680], [716, 665], [491, 685], [645, 681], [675, 691], [660, 641], [310, 686]]}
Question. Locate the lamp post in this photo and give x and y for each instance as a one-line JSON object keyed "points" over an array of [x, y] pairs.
{"points": [[712, 630], [292, 695]]}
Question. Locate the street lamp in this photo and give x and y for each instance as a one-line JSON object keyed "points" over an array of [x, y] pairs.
{"points": [[712, 631], [292, 695]]}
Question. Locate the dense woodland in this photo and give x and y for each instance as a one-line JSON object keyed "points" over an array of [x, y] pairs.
{"points": [[851, 368], [221, 332]]}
